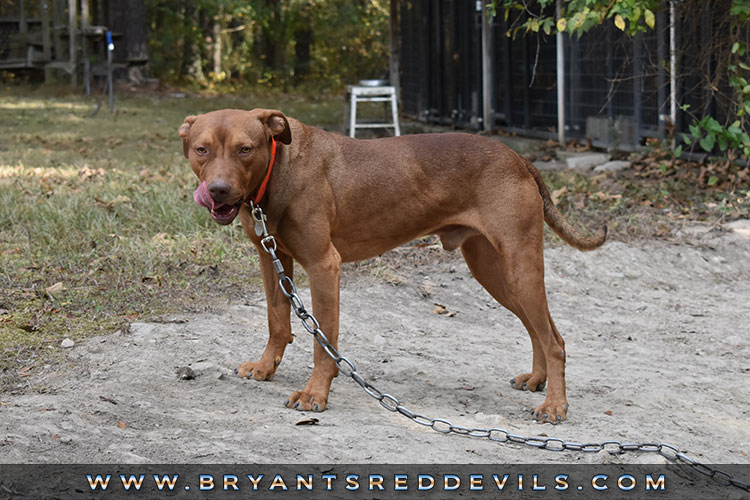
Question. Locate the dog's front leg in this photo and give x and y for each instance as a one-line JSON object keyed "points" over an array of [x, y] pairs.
{"points": [[279, 326], [324, 288]]}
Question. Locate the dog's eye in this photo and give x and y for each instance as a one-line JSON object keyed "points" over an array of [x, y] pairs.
{"points": [[245, 150], [201, 150]]}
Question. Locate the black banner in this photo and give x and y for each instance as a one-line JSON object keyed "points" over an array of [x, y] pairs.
{"points": [[430, 481]]}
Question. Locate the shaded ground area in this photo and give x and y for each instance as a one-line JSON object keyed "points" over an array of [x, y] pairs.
{"points": [[657, 342]]}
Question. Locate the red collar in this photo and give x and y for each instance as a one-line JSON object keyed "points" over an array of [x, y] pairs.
{"points": [[262, 189]]}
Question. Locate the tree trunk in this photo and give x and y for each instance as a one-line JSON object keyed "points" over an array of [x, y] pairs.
{"points": [[303, 40], [129, 19], [217, 43], [192, 52], [271, 42]]}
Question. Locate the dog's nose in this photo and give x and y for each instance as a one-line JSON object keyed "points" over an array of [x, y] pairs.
{"points": [[219, 191]]}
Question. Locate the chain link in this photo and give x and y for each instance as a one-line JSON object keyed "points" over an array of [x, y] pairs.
{"points": [[391, 403]]}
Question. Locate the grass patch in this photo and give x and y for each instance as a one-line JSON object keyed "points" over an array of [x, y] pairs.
{"points": [[98, 224]]}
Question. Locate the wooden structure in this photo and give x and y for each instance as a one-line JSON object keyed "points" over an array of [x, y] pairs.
{"points": [[59, 36], [25, 42]]}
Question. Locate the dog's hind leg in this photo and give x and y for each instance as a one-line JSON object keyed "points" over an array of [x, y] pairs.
{"points": [[486, 267], [512, 271]]}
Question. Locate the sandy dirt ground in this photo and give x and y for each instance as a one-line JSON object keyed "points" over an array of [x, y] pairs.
{"points": [[656, 333]]}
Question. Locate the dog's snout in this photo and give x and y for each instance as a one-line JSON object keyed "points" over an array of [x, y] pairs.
{"points": [[219, 191]]}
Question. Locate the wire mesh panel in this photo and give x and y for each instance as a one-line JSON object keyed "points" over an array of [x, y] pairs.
{"points": [[414, 67], [441, 61], [612, 79]]}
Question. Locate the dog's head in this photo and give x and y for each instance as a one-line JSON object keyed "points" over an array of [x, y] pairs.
{"points": [[229, 150]]}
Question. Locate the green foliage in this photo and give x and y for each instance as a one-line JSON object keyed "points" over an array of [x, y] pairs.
{"points": [[353, 41], [707, 132], [579, 16], [740, 9], [268, 42]]}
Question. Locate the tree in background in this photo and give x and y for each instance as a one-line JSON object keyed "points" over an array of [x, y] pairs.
{"points": [[279, 42]]}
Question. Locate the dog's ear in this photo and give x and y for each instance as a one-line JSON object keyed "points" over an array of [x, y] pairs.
{"points": [[278, 125], [184, 132]]}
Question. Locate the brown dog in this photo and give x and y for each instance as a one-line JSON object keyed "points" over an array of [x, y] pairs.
{"points": [[331, 199]]}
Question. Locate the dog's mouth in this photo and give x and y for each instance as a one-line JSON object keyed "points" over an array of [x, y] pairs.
{"points": [[225, 214], [220, 212]]}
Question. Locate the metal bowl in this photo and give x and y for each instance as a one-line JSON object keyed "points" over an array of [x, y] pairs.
{"points": [[374, 83]]}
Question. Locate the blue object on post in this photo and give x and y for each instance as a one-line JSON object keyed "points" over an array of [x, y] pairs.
{"points": [[110, 83], [110, 43]]}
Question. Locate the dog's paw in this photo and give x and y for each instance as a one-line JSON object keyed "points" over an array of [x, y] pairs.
{"points": [[259, 370], [528, 382], [552, 412], [307, 401]]}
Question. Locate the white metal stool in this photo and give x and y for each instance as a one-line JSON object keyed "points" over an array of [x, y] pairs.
{"points": [[382, 93]]}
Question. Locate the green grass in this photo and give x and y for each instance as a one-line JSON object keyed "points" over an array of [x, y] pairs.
{"points": [[104, 206]]}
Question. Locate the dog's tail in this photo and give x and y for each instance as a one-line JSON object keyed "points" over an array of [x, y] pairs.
{"points": [[559, 223]]}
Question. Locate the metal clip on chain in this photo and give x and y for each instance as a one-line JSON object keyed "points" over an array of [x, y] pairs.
{"points": [[391, 403]]}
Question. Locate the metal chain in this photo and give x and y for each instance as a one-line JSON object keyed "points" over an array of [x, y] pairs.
{"points": [[443, 426]]}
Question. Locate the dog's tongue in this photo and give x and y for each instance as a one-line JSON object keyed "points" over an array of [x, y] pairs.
{"points": [[203, 198]]}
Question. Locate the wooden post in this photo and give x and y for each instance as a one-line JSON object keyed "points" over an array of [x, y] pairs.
{"points": [[46, 41], [22, 27], [57, 23], [72, 49], [85, 22], [110, 77], [56, 26], [85, 16]]}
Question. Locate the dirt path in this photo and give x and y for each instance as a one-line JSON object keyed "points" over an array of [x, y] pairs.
{"points": [[657, 338]]}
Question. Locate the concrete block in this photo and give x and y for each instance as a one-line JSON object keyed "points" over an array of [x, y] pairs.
{"points": [[586, 161], [550, 166], [741, 227], [612, 166]]}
